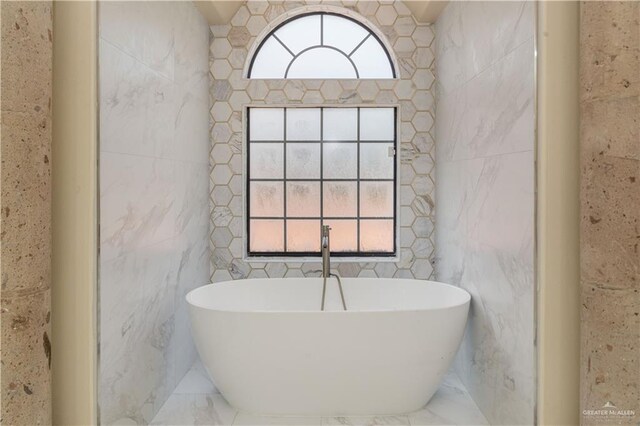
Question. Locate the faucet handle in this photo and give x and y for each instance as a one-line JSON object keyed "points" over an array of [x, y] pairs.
{"points": [[325, 229]]}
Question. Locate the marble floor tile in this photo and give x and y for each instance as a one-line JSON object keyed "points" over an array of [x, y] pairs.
{"points": [[365, 421], [451, 405], [198, 409], [196, 401], [254, 420]]}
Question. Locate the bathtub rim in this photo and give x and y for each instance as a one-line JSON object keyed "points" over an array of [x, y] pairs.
{"points": [[462, 292]]}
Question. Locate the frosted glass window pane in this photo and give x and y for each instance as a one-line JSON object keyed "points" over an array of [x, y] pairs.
{"points": [[323, 63], [303, 160], [267, 124], [303, 235], [340, 160], [267, 161], [303, 124], [376, 199], [267, 199], [271, 60], [377, 124], [340, 124], [266, 236], [342, 33], [337, 48], [303, 199], [339, 199], [375, 161], [371, 60], [298, 34], [344, 234], [376, 235]]}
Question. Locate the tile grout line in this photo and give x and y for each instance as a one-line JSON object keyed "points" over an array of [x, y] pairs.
{"points": [[233, 422], [138, 60], [154, 157], [486, 157], [486, 68]]}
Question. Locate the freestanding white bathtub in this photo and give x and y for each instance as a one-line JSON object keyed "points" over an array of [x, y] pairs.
{"points": [[270, 350]]}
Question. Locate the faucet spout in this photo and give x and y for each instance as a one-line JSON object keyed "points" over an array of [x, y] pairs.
{"points": [[326, 251], [325, 248]]}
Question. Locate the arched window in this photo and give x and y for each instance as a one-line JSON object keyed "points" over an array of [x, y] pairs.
{"points": [[321, 45]]}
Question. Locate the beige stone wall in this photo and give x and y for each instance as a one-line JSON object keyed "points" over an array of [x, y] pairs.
{"points": [[412, 92], [25, 205], [610, 210]]}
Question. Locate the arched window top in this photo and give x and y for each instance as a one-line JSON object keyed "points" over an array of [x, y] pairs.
{"points": [[321, 45]]}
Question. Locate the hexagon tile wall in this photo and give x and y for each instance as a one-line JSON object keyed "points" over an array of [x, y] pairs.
{"points": [[413, 92]]}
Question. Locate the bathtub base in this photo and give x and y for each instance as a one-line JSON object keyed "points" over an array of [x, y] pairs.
{"points": [[336, 368]]}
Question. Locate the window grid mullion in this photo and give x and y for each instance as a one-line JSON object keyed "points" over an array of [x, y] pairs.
{"points": [[284, 176], [321, 169], [358, 184], [318, 180], [293, 55], [359, 44], [315, 218], [381, 141]]}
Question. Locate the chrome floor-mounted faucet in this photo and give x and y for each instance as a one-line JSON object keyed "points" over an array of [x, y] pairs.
{"points": [[326, 251], [325, 248]]}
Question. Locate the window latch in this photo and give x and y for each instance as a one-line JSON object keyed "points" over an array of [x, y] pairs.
{"points": [[392, 151]]}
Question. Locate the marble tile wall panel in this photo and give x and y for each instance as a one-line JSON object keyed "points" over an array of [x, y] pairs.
{"points": [[610, 196], [25, 211], [496, 359], [502, 92], [143, 30], [154, 195], [475, 34], [413, 92], [485, 187]]}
